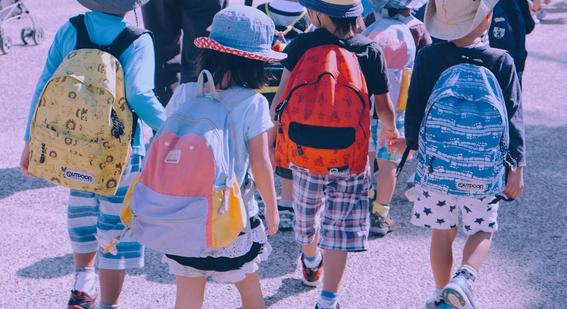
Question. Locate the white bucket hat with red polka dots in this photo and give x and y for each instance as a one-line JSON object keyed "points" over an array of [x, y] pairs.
{"points": [[243, 31]]}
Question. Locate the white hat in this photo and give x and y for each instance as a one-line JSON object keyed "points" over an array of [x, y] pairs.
{"points": [[454, 19]]}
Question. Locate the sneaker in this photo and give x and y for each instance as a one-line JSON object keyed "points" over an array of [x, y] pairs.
{"points": [[436, 302], [311, 276], [379, 225], [81, 300], [458, 292], [286, 218]]}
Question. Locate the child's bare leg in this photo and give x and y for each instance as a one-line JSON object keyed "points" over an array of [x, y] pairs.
{"points": [[334, 268], [441, 254], [190, 292], [310, 250], [287, 189], [371, 158], [82, 260], [476, 249], [251, 292], [111, 282], [386, 181]]}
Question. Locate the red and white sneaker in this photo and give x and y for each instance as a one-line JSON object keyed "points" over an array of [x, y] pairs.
{"points": [[311, 276], [81, 300]]}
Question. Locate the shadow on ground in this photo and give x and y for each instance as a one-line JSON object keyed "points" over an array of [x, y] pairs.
{"points": [[18, 182], [288, 288], [49, 268]]}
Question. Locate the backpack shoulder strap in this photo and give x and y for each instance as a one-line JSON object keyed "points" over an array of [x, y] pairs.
{"points": [[83, 38], [125, 39]]}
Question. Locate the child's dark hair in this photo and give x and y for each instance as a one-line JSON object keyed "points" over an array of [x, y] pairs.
{"points": [[243, 72], [394, 12], [345, 25]]}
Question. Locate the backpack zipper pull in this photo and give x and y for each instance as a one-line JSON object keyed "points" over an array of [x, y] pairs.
{"points": [[42, 156], [279, 110]]}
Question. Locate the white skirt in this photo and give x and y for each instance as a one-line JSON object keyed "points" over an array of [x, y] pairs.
{"points": [[227, 265]]}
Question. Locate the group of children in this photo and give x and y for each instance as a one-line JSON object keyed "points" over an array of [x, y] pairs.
{"points": [[395, 69]]}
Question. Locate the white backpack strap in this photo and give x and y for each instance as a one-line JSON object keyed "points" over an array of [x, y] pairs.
{"points": [[200, 91]]}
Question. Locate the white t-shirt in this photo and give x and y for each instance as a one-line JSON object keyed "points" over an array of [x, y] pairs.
{"points": [[250, 115]]}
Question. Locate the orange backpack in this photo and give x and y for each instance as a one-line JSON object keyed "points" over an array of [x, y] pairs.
{"points": [[324, 120]]}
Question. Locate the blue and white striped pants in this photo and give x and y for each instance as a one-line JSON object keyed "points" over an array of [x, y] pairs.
{"points": [[91, 217]]}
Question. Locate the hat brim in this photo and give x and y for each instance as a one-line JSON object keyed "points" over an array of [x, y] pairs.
{"points": [[112, 7], [334, 10], [266, 56], [449, 32]]}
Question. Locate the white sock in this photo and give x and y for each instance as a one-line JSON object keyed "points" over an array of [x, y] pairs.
{"points": [[470, 270], [327, 300], [85, 280], [438, 292], [313, 262]]}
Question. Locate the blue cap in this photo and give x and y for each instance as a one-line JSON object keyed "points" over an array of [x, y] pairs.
{"points": [[335, 8], [243, 31], [112, 7]]}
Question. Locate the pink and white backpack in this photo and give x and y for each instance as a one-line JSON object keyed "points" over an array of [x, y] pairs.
{"points": [[188, 201]]}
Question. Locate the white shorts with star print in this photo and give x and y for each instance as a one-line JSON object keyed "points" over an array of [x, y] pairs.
{"points": [[441, 211]]}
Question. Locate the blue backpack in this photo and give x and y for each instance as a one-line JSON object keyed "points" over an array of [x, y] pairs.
{"points": [[463, 139]]}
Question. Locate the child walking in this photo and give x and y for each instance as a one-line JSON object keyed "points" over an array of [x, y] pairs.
{"points": [[93, 220], [291, 20], [325, 142], [446, 183], [235, 53], [392, 32]]}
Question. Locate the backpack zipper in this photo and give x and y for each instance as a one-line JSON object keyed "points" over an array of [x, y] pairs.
{"points": [[42, 156]]}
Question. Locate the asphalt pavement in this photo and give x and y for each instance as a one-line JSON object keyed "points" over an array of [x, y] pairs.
{"points": [[526, 268]]}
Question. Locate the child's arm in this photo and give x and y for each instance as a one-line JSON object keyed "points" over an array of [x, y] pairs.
{"points": [[385, 111], [264, 178], [139, 67], [417, 100], [54, 58], [513, 96]]}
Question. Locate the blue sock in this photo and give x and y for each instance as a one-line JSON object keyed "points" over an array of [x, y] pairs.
{"points": [[327, 300], [314, 261]]}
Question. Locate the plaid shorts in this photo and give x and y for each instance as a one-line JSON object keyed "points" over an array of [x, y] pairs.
{"points": [[343, 221]]}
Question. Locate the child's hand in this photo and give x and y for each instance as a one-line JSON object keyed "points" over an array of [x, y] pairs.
{"points": [[272, 216], [515, 183], [25, 160], [387, 136], [398, 146]]}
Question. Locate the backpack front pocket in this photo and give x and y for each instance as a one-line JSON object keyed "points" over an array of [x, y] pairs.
{"points": [[320, 137], [169, 224]]}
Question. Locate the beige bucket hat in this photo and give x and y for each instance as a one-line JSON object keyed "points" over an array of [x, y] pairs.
{"points": [[454, 19]]}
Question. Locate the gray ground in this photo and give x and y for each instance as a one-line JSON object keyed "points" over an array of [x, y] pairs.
{"points": [[526, 268]]}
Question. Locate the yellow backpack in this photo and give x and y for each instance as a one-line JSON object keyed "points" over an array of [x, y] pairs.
{"points": [[82, 129]]}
